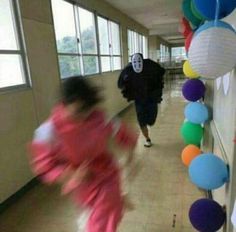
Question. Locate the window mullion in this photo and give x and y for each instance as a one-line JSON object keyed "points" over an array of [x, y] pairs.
{"points": [[98, 43], [110, 44], [121, 47], [141, 44], [21, 44], [67, 54], [133, 42], [78, 37]]}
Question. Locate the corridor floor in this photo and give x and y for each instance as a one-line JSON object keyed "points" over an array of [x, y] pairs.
{"points": [[162, 191]]}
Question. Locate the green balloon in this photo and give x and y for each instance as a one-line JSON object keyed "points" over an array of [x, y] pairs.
{"points": [[186, 8], [196, 13], [192, 133]]}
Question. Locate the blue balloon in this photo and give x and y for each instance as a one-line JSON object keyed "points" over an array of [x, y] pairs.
{"points": [[208, 172], [196, 112], [208, 8]]}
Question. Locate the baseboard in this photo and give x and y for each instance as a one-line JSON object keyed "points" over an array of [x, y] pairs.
{"points": [[124, 110], [19, 194]]}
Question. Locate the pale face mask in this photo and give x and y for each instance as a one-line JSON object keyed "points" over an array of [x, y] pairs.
{"points": [[137, 63]]}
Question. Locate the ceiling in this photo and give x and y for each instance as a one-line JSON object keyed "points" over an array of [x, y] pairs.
{"points": [[161, 17]]}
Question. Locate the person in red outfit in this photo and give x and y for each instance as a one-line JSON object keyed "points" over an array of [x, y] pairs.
{"points": [[71, 147]]}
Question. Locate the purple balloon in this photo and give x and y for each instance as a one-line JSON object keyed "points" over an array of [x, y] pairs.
{"points": [[206, 215], [193, 90]]}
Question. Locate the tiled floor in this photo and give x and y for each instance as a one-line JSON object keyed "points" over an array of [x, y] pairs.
{"points": [[162, 192]]}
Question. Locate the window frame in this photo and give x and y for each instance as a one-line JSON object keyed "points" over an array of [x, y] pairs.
{"points": [[120, 45], [110, 43], [145, 42], [101, 55], [137, 40], [98, 55], [24, 65], [78, 54], [179, 52], [79, 42]]}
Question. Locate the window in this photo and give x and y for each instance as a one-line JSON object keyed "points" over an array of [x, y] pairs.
{"points": [[159, 55], [88, 41], [164, 54], [115, 46], [140, 43], [66, 38], [145, 47], [130, 43], [12, 56], [77, 37], [167, 58], [109, 44], [104, 44], [137, 43], [178, 54]]}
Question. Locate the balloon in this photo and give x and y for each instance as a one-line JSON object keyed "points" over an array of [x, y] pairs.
{"points": [[206, 215], [192, 133], [211, 53], [208, 8], [188, 41], [193, 90], [186, 8], [208, 172], [188, 71], [186, 28], [196, 112], [189, 153], [196, 13]]}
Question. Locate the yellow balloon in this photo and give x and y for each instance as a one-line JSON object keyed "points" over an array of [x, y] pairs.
{"points": [[188, 71]]}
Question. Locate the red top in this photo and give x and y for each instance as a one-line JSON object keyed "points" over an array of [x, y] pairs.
{"points": [[71, 143]]}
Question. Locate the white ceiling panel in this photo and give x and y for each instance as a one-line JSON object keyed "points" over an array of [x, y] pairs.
{"points": [[161, 17]]}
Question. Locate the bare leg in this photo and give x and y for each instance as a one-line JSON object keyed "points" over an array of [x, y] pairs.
{"points": [[145, 133]]}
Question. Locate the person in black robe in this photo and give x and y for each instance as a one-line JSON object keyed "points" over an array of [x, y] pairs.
{"points": [[142, 81]]}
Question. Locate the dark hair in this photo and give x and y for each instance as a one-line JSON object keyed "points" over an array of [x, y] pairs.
{"points": [[78, 89]]}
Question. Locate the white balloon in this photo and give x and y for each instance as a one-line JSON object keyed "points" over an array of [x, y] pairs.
{"points": [[212, 52]]}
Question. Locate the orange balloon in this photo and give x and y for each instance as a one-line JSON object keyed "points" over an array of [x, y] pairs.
{"points": [[189, 153]]}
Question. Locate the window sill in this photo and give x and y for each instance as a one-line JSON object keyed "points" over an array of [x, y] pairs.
{"points": [[13, 89]]}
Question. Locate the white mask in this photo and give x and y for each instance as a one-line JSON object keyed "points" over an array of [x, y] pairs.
{"points": [[137, 63]]}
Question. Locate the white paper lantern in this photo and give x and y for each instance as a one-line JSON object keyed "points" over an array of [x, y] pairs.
{"points": [[212, 52]]}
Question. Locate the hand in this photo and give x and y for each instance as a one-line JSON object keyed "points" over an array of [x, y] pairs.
{"points": [[80, 175]]}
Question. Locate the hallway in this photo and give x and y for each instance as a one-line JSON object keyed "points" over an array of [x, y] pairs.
{"points": [[162, 191]]}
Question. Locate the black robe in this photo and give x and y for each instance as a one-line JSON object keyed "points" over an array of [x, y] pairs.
{"points": [[141, 86]]}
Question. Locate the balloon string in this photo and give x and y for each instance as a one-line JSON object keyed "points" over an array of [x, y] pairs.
{"points": [[217, 11]]}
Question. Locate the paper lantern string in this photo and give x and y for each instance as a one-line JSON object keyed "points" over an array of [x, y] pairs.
{"points": [[217, 11]]}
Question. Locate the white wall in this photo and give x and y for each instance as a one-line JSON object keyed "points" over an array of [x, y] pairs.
{"points": [[221, 133], [22, 111]]}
